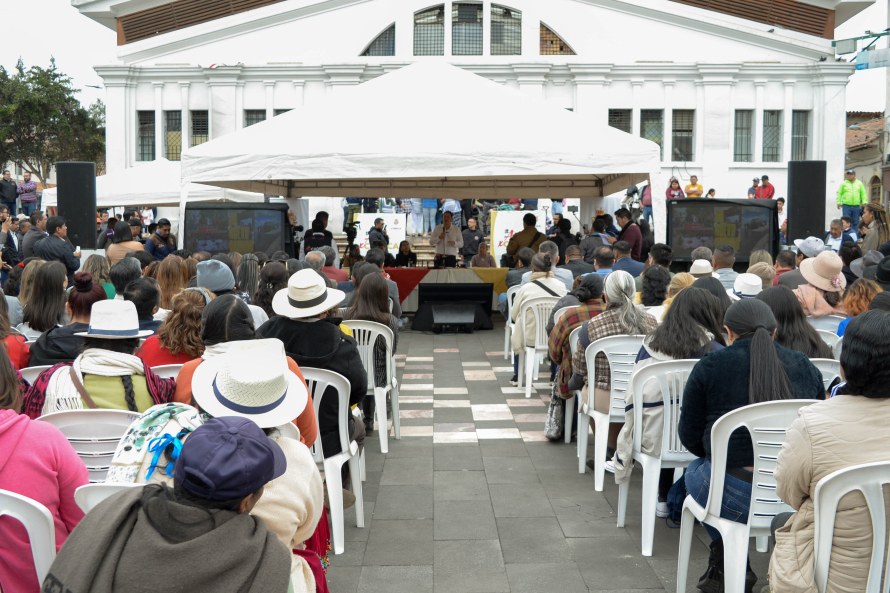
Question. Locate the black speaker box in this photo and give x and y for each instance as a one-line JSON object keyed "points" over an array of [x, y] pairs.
{"points": [[77, 201], [806, 199], [454, 315]]}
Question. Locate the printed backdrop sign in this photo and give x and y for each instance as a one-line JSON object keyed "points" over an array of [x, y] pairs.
{"points": [[506, 224], [394, 227]]}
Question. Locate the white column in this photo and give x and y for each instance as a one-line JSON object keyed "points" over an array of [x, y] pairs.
{"points": [[118, 135], [186, 115], [700, 121], [668, 121], [788, 119], [532, 78], [486, 28], [637, 85], [447, 29], [159, 119], [239, 105], [759, 89], [299, 85], [224, 99], [833, 116], [718, 80], [591, 86], [270, 99]]}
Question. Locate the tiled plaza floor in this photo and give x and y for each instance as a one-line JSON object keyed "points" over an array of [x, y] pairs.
{"points": [[474, 499]]}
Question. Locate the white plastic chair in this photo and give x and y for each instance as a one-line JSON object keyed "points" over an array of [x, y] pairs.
{"points": [[574, 339], [869, 479], [621, 352], [767, 423], [390, 305], [90, 495], [38, 522], [671, 376], [559, 313], [94, 435], [30, 374], [838, 348], [167, 371], [540, 308], [318, 380], [830, 369], [828, 323], [365, 334], [829, 338], [508, 328]]}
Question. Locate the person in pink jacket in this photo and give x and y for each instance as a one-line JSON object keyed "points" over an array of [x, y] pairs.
{"points": [[37, 462]]}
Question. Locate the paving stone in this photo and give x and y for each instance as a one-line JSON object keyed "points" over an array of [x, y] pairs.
{"points": [[534, 578], [464, 520], [469, 567], [396, 579], [343, 579], [530, 540], [453, 415], [404, 502], [400, 543], [510, 470], [457, 457], [529, 500], [460, 485], [400, 472], [626, 568], [503, 448]]}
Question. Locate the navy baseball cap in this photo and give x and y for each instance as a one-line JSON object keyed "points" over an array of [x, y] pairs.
{"points": [[232, 456]]}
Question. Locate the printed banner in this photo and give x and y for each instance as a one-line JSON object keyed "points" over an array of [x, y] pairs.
{"points": [[506, 224], [394, 226]]}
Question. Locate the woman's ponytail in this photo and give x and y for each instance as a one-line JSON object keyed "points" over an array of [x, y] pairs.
{"points": [[767, 379]]}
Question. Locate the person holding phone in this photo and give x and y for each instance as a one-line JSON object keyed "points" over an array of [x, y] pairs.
{"points": [[378, 233]]}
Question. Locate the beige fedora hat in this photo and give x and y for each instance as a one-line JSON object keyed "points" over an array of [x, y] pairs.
{"points": [[306, 296], [824, 272], [116, 320]]}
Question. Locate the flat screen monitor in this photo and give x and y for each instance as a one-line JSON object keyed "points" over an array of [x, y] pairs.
{"points": [[746, 225], [242, 228]]}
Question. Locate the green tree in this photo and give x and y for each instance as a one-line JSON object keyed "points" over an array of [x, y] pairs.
{"points": [[42, 122]]}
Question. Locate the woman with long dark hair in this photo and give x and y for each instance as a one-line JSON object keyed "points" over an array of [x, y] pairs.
{"points": [[406, 258], [122, 243], [273, 278], [656, 281], [794, 331], [248, 278], [875, 216], [45, 308], [751, 370], [715, 287], [648, 239]]}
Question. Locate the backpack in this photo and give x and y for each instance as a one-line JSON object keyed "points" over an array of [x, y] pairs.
{"points": [[150, 447]]}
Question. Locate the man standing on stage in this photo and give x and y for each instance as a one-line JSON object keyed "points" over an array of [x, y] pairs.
{"points": [[448, 240], [378, 233], [851, 196], [630, 232]]}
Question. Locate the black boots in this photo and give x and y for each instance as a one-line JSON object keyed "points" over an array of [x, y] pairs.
{"points": [[712, 580]]}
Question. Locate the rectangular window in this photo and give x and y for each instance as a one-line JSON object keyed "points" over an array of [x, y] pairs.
{"points": [[621, 119], [200, 128], [145, 151], [466, 29], [652, 127], [772, 136], [254, 116], [682, 135], [280, 111], [506, 31], [743, 147], [429, 32], [800, 135], [173, 135]]}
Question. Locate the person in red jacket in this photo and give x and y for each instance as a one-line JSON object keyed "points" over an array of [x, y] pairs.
{"points": [[178, 340], [766, 191]]}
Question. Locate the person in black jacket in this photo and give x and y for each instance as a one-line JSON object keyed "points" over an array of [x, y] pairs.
{"points": [[8, 193], [310, 330], [378, 233], [56, 247], [752, 369]]}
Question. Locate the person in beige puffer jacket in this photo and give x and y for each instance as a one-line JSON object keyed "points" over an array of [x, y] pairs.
{"points": [[849, 429]]}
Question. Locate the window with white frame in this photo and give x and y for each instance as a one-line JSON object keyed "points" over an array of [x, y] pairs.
{"points": [[621, 119], [145, 150], [466, 29], [800, 135], [743, 144], [772, 136], [200, 127], [429, 31], [173, 135], [506, 31], [652, 127], [254, 116], [683, 134]]}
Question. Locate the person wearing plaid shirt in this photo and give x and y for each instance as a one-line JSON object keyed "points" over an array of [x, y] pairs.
{"points": [[560, 350]]}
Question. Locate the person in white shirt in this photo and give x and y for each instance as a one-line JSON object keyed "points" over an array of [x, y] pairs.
{"points": [[148, 217], [448, 239], [780, 208], [550, 248]]}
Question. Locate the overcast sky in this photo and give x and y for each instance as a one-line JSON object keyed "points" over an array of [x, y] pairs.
{"points": [[38, 29]]}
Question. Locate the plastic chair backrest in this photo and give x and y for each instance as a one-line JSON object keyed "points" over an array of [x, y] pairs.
{"points": [[38, 522], [828, 323], [511, 296], [318, 380], [869, 479], [365, 334], [575, 338], [540, 308], [829, 338], [89, 495], [830, 369], [558, 315], [167, 371], [766, 422], [94, 435], [671, 376], [621, 352], [390, 305], [30, 374], [838, 348]]}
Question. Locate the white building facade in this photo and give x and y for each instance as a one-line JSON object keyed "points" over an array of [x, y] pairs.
{"points": [[727, 98]]}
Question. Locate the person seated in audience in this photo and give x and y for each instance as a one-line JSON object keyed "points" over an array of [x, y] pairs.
{"points": [[98, 267], [603, 260], [331, 269], [857, 300], [541, 283], [623, 260], [824, 289], [38, 462], [656, 281], [171, 281], [595, 240], [793, 330], [294, 266], [722, 261], [622, 318], [151, 270], [122, 273], [523, 264], [45, 307], [178, 340], [307, 324], [11, 290], [678, 283], [550, 248], [405, 258], [849, 252], [62, 343], [234, 256], [273, 278], [224, 321], [574, 263], [659, 255], [359, 273], [371, 303], [483, 259], [375, 256], [143, 257], [352, 256], [715, 287], [122, 243], [750, 370], [786, 261], [851, 428], [201, 531], [107, 374], [760, 256], [216, 277], [13, 342], [691, 328], [764, 271], [316, 260], [593, 291], [146, 296], [806, 248], [349, 285], [248, 278]]}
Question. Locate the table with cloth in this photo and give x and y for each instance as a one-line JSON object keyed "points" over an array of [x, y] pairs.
{"points": [[408, 279]]}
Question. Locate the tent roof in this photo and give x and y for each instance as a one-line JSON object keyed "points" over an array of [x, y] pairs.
{"points": [[427, 130], [156, 183]]}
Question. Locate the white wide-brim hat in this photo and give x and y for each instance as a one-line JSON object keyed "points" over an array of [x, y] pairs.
{"points": [[115, 320], [746, 286], [306, 295], [251, 380]]}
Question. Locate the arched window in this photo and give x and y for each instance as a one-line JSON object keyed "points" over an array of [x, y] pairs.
{"points": [[429, 31], [466, 29], [506, 31], [552, 44], [384, 45], [875, 189]]}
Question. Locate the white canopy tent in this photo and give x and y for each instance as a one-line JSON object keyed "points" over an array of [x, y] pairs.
{"points": [[429, 130]]}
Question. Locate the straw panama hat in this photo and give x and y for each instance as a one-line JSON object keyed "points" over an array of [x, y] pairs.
{"points": [[116, 320], [252, 381], [306, 296], [824, 272], [746, 286]]}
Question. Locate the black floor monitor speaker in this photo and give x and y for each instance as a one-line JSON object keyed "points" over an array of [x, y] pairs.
{"points": [[77, 201], [454, 316], [806, 199]]}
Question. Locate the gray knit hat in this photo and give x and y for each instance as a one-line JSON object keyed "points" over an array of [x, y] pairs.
{"points": [[215, 276]]}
